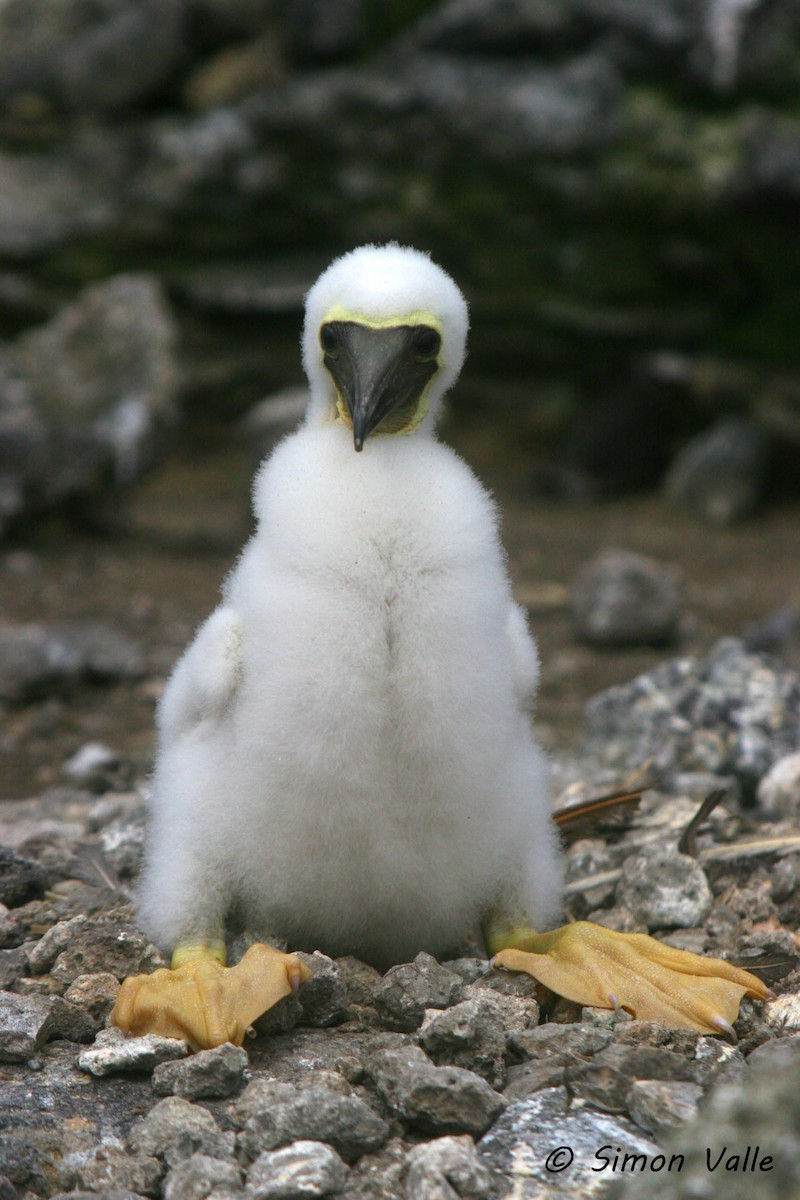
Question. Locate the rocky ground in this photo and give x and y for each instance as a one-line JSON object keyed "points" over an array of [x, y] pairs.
{"points": [[437, 1080]]}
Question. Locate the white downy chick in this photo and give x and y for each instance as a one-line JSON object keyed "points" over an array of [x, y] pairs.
{"points": [[346, 758]]}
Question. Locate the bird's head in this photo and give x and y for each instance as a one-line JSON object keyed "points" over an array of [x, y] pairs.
{"points": [[384, 338]]}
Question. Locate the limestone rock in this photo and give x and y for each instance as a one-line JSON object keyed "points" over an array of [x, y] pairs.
{"points": [[113, 1052]]}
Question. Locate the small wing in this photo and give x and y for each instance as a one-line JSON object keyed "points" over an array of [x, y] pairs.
{"points": [[205, 679], [524, 656]]}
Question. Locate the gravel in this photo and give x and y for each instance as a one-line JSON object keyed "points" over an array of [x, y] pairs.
{"points": [[435, 1080]]}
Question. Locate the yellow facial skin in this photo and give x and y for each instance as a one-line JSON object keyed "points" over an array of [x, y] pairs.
{"points": [[403, 421]]}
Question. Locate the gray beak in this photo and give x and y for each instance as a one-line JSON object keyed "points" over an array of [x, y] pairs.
{"points": [[379, 371]]}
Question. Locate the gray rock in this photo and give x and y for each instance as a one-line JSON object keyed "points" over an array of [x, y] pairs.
{"points": [[89, 761], [122, 844], [664, 889], [658, 32], [114, 1052], [608, 1076], [88, 399], [26, 1023], [360, 981], [561, 1147], [317, 33], [626, 599], [781, 1053], [446, 1168], [658, 1106], [323, 997], [777, 633], [528, 110], [547, 1041], [762, 1111], [436, 1100], [21, 879], [13, 965], [304, 1169], [89, 58], [108, 943], [315, 1114], [199, 1176], [779, 790], [407, 990], [728, 713], [471, 1035], [209, 1074], [36, 659], [95, 994], [107, 1169], [174, 1130], [50, 197], [721, 475]]}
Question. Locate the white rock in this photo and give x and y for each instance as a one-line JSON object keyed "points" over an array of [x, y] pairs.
{"points": [[779, 790], [302, 1169], [113, 1052]]}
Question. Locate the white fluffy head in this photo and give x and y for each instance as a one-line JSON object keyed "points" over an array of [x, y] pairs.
{"points": [[382, 283]]}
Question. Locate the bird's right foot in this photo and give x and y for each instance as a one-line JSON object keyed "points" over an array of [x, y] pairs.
{"points": [[203, 1001]]}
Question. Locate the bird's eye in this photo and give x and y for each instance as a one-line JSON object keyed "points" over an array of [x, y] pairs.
{"points": [[329, 340], [426, 342]]}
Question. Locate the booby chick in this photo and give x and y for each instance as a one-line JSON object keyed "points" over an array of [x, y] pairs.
{"points": [[345, 751]]}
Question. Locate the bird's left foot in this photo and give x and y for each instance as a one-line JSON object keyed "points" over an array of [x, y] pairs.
{"points": [[204, 1002], [652, 981]]}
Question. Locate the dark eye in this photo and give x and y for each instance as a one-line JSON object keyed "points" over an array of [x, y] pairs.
{"points": [[426, 342], [329, 340]]}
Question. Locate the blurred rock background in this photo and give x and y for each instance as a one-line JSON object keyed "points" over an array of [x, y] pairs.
{"points": [[613, 182]]}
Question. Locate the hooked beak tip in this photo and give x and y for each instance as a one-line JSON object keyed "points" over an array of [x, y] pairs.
{"points": [[359, 444]]}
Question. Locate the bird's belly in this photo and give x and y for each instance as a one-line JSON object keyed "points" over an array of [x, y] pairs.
{"points": [[372, 772]]}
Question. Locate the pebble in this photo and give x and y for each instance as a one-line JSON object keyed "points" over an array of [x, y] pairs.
{"points": [[281, 1114], [445, 1168], [209, 1074], [26, 1023], [304, 1169], [433, 1099], [96, 994], [729, 713], [406, 991], [89, 761], [323, 997], [779, 791], [721, 474], [658, 1106], [200, 1176], [113, 1052], [625, 599], [545, 1041], [470, 1034], [174, 1130], [108, 1170], [530, 1130], [609, 1075], [664, 889]]}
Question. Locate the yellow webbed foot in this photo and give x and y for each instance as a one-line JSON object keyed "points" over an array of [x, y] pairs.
{"points": [[654, 982], [205, 1002]]}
